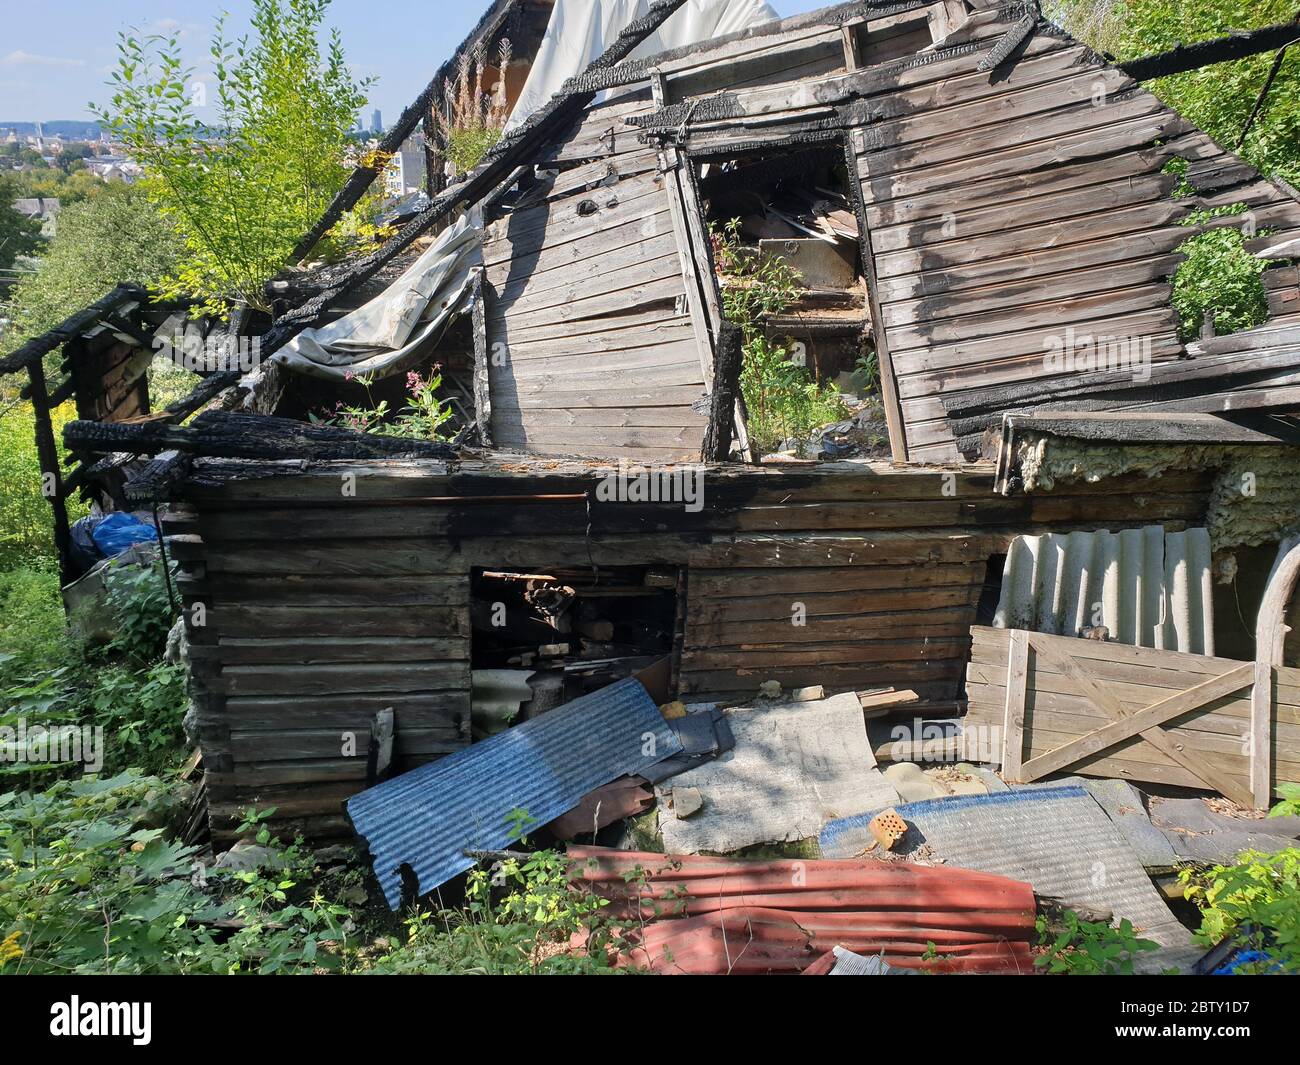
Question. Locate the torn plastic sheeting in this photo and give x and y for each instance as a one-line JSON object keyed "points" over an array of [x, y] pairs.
{"points": [[708, 915], [428, 818], [581, 30], [389, 334], [1148, 588]]}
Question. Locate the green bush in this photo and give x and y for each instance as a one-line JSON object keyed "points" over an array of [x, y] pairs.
{"points": [[1258, 898], [26, 520], [518, 919], [33, 635], [782, 400], [91, 882]]}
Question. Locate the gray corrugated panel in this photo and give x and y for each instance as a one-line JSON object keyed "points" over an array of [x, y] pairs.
{"points": [[429, 817], [1056, 839], [1149, 588]]}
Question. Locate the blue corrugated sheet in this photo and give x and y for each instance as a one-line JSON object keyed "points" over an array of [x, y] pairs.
{"points": [[429, 817], [1056, 838]]}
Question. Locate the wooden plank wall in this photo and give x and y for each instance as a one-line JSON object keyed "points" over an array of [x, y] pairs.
{"points": [[1055, 712], [319, 609], [302, 634], [590, 344], [1003, 208], [1007, 209]]}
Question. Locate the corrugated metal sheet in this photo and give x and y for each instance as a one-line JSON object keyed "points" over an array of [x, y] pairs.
{"points": [[1148, 587], [429, 817], [1056, 838], [696, 915]]}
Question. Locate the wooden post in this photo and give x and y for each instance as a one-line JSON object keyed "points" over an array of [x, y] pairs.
{"points": [[47, 451], [1270, 635], [482, 375], [1013, 722]]}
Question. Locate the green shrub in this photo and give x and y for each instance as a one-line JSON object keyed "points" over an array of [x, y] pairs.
{"points": [[26, 520], [1219, 278], [33, 635], [782, 400], [91, 882], [142, 611], [518, 920], [1089, 948], [1257, 898]]}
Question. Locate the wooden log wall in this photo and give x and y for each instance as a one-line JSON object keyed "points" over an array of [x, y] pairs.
{"points": [[590, 346], [321, 608]]}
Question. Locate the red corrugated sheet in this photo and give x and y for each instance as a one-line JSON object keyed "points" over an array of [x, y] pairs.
{"points": [[698, 915]]}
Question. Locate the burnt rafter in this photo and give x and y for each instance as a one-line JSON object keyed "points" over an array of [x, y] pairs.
{"points": [[38, 347], [1187, 57], [244, 436], [498, 165]]}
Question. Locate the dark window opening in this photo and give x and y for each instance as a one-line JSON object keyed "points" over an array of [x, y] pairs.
{"points": [[991, 591], [541, 638]]}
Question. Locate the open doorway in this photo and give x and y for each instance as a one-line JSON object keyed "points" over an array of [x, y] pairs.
{"points": [[788, 258]]}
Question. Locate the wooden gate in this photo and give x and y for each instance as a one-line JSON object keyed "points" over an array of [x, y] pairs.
{"points": [[1111, 709]]}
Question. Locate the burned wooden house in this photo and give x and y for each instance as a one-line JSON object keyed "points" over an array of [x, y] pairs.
{"points": [[984, 203]]}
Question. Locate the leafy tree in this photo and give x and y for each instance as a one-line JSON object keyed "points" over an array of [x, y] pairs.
{"points": [[18, 235], [116, 237], [1218, 98], [80, 184], [243, 188]]}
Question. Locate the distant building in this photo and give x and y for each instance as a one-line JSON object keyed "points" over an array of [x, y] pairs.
{"points": [[406, 170], [44, 209], [376, 121]]}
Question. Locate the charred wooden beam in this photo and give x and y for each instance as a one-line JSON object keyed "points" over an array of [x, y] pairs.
{"points": [[47, 453], [726, 390], [38, 347], [499, 165], [1187, 57], [575, 95], [245, 436]]}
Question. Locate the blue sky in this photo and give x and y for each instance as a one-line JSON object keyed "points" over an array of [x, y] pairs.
{"points": [[55, 56]]}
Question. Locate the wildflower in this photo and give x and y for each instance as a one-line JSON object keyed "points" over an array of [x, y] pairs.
{"points": [[413, 381]]}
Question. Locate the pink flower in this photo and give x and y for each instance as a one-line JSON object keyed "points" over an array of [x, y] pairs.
{"points": [[348, 375], [413, 381]]}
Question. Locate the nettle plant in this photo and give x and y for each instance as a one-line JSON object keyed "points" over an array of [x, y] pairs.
{"points": [[242, 167]]}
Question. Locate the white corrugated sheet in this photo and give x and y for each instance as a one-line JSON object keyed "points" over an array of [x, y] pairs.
{"points": [[1148, 587]]}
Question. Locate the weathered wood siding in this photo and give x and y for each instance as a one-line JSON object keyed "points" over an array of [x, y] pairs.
{"points": [[1006, 210], [321, 608], [589, 339]]}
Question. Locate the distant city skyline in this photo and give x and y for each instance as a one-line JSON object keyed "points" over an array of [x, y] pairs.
{"points": [[56, 57]]}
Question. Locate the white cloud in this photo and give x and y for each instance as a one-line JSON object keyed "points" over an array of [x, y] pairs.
{"points": [[21, 58]]}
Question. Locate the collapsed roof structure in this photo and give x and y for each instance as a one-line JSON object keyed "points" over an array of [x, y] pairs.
{"points": [[986, 204]]}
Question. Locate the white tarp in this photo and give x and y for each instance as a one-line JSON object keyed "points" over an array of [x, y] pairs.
{"points": [[580, 31], [386, 335]]}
